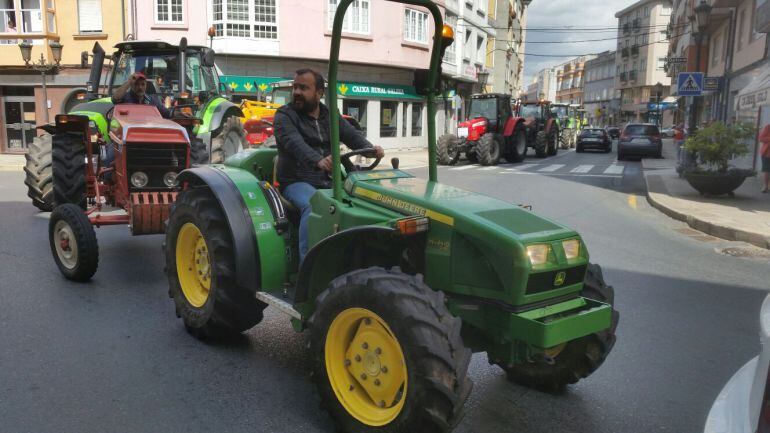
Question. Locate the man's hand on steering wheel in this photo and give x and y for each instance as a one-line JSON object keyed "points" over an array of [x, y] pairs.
{"points": [[376, 152]]}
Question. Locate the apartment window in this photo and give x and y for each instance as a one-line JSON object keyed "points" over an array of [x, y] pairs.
{"points": [[753, 34], [741, 28], [468, 47], [643, 65], [716, 50], [89, 16], [663, 35], [449, 54], [482, 7], [415, 26], [357, 17], [646, 39], [388, 118], [168, 11], [646, 12], [416, 119], [665, 10], [480, 50], [245, 18], [661, 63]]}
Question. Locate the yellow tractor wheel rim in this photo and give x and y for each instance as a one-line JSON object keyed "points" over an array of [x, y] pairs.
{"points": [[193, 265], [553, 352], [366, 366]]}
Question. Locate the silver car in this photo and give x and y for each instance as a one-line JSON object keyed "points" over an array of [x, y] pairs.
{"points": [[743, 405]]}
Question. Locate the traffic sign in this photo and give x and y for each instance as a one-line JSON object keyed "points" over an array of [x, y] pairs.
{"points": [[689, 83], [712, 83], [672, 60]]}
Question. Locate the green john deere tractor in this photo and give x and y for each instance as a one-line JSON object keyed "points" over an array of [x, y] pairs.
{"points": [[405, 277], [195, 89], [565, 115]]}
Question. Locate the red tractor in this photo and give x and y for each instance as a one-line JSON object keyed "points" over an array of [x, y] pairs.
{"points": [[542, 128], [127, 178], [491, 132]]}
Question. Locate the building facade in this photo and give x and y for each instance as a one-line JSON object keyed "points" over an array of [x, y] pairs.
{"points": [[599, 94], [543, 86], [569, 80], [640, 65], [76, 25], [505, 59]]}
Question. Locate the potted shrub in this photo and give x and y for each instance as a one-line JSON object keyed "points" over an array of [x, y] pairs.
{"points": [[715, 145]]}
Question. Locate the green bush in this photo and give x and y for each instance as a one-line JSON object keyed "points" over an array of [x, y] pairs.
{"points": [[717, 143]]}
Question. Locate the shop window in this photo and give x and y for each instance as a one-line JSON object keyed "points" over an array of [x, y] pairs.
{"points": [[416, 119], [90, 16], [415, 26], [357, 110], [388, 119], [357, 16], [168, 11], [245, 18]]}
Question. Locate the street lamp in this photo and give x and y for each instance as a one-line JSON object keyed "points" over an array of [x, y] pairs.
{"points": [[483, 76], [42, 66], [698, 22]]}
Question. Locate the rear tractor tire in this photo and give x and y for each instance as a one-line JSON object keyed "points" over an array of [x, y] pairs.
{"points": [[574, 360], [69, 169], [446, 149], [73, 242], [488, 148], [553, 139], [230, 140], [387, 354], [541, 144], [517, 147], [39, 174], [200, 267]]}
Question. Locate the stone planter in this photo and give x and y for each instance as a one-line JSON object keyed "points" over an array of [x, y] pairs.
{"points": [[716, 183]]}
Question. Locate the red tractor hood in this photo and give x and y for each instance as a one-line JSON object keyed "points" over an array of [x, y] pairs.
{"points": [[143, 123], [476, 127]]}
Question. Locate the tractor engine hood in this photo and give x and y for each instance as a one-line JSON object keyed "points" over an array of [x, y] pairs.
{"points": [[143, 123], [476, 127]]}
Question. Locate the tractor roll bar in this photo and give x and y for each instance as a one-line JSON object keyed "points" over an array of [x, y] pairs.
{"points": [[435, 62]]}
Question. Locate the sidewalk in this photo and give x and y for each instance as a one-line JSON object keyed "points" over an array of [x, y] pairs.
{"points": [[11, 162], [745, 217]]}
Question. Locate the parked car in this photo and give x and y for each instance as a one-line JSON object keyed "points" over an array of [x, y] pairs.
{"points": [[594, 138], [612, 131], [743, 405], [640, 139], [667, 132]]}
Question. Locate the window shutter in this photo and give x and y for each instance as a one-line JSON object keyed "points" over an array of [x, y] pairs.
{"points": [[90, 16]]}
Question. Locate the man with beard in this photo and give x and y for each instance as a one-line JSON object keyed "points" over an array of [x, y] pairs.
{"points": [[302, 133], [134, 91]]}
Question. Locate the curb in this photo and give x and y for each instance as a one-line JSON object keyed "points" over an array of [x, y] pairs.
{"points": [[718, 230], [11, 167]]}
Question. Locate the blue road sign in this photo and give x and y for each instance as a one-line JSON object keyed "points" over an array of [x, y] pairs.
{"points": [[689, 83]]}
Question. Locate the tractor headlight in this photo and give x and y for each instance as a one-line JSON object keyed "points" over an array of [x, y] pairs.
{"points": [[538, 254], [139, 179], [571, 248], [169, 179]]}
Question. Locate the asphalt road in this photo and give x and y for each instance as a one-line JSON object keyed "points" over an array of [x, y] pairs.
{"points": [[110, 356]]}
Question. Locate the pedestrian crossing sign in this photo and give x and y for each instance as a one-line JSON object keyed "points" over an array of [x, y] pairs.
{"points": [[689, 83]]}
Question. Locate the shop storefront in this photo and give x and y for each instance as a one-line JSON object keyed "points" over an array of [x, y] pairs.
{"points": [[752, 105]]}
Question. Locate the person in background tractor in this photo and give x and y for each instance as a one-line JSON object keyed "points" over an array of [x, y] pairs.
{"points": [[134, 91], [302, 133]]}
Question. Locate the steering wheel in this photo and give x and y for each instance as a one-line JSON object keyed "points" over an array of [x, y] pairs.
{"points": [[350, 167]]}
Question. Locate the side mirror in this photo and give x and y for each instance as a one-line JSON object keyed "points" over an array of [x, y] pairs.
{"points": [[208, 58]]}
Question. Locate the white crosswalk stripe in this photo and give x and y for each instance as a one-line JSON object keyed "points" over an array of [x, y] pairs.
{"points": [[464, 167], [614, 169], [488, 168], [552, 167], [582, 169], [522, 167]]}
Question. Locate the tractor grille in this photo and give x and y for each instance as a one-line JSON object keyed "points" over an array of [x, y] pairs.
{"points": [[155, 160], [544, 281]]}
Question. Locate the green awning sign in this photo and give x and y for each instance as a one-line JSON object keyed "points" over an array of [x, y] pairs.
{"points": [[373, 90], [247, 84]]}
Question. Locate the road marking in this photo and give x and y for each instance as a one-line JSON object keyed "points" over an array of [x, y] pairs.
{"points": [[582, 169], [632, 201], [488, 168], [464, 167], [522, 167], [615, 169], [552, 167]]}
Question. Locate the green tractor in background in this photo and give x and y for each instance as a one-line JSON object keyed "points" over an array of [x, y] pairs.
{"points": [[194, 89], [405, 278], [568, 124]]}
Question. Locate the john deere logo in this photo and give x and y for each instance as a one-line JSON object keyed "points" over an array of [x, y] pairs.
{"points": [[559, 280]]}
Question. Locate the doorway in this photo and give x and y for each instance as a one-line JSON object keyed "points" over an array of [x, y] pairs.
{"points": [[19, 118]]}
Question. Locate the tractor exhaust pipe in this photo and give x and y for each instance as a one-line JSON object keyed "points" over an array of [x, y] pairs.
{"points": [[92, 86], [182, 66]]}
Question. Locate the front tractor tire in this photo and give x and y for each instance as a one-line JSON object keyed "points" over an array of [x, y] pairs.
{"points": [[569, 362], [488, 148], [446, 149], [541, 144], [517, 148], [230, 140], [200, 267], [73, 242], [387, 354], [553, 139], [69, 169], [39, 174]]}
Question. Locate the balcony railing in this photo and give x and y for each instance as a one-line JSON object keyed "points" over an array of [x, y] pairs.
{"points": [[624, 52], [626, 28], [636, 24], [635, 50], [632, 76], [623, 76]]}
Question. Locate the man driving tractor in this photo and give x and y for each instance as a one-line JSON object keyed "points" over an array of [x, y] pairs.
{"points": [[134, 91], [302, 132]]}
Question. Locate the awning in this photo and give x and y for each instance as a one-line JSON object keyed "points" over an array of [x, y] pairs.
{"points": [[249, 84], [755, 93]]}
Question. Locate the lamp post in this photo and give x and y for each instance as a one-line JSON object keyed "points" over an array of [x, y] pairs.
{"points": [[699, 23], [483, 76], [42, 66], [659, 93]]}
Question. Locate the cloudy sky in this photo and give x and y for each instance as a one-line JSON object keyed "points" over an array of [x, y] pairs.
{"points": [[565, 14]]}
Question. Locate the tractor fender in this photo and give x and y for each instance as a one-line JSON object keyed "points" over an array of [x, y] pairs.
{"points": [[511, 125], [247, 263], [548, 126], [220, 113], [321, 264]]}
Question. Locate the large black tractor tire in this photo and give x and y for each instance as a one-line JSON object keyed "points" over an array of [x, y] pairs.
{"points": [[200, 267], [517, 146], [198, 152], [73, 242], [38, 173], [230, 139], [417, 344], [446, 149], [488, 149], [541, 144], [69, 169], [576, 359], [553, 140], [563, 142]]}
